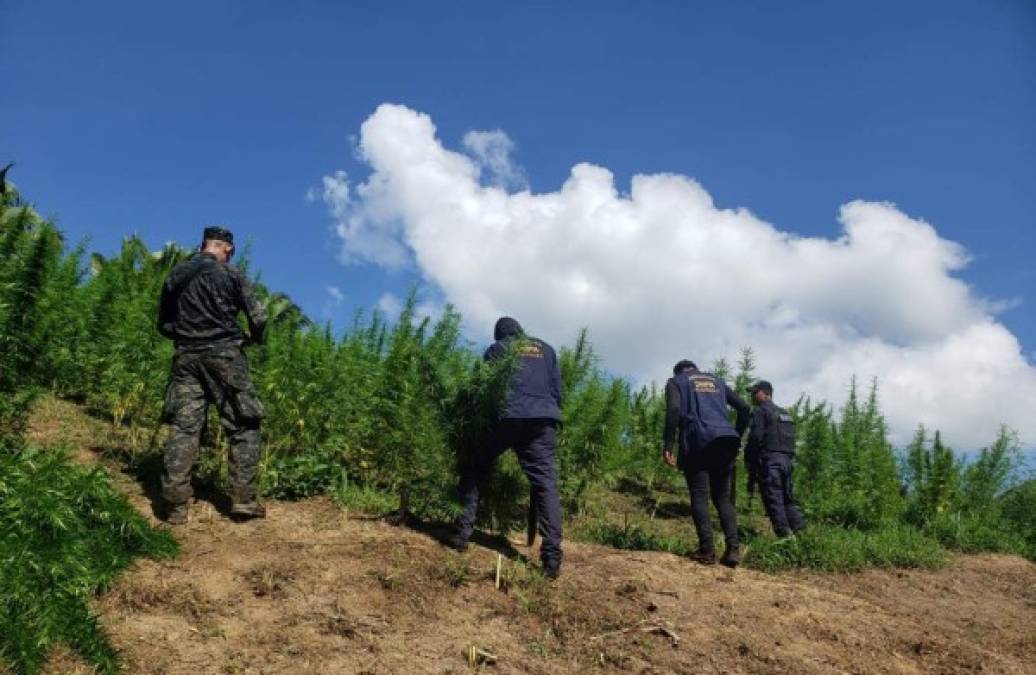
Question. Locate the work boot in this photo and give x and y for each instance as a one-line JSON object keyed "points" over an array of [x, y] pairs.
{"points": [[704, 557], [176, 514], [457, 542], [241, 511], [551, 570], [731, 557]]}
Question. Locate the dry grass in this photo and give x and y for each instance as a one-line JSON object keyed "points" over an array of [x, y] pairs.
{"points": [[309, 590]]}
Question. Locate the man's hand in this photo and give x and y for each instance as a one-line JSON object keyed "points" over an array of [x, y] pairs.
{"points": [[670, 459]]}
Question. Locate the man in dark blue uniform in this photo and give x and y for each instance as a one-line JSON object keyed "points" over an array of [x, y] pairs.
{"points": [[696, 414], [528, 424], [769, 456]]}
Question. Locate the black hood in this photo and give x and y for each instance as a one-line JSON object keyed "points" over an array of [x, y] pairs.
{"points": [[506, 327], [684, 366]]}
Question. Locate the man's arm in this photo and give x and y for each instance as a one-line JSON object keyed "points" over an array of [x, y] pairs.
{"points": [[743, 411], [752, 447], [166, 310], [755, 432], [175, 282], [555, 378], [771, 429], [672, 420], [253, 309]]}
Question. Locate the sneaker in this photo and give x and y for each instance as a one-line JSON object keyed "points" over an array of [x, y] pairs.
{"points": [[704, 557], [176, 514], [247, 510], [731, 557]]}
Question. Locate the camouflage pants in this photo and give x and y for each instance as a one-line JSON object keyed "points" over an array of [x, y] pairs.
{"points": [[217, 375]]}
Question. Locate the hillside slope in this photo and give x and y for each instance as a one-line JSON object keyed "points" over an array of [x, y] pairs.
{"points": [[316, 589]]}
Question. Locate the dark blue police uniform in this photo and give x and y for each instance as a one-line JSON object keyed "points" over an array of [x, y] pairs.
{"points": [[771, 445], [528, 424], [696, 408]]}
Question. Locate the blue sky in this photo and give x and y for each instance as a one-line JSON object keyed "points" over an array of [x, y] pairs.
{"points": [[160, 117]]}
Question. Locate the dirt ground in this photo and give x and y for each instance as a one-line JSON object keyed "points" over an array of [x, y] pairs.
{"points": [[315, 589]]}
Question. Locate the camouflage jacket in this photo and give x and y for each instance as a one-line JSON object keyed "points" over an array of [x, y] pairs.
{"points": [[200, 301]]}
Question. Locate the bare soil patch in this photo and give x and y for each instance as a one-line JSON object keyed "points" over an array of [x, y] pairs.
{"points": [[315, 589]]}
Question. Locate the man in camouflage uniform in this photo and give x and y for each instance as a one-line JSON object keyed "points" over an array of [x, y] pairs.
{"points": [[200, 301]]}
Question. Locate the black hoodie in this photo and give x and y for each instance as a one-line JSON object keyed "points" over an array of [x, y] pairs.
{"points": [[535, 391]]}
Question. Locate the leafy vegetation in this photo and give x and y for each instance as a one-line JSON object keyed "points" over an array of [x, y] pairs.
{"points": [[380, 416], [59, 546], [64, 532]]}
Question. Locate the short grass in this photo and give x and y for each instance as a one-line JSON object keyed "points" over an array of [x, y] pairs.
{"points": [[838, 549], [661, 522]]}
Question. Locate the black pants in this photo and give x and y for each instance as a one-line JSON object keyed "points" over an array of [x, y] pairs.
{"points": [[709, 473], [533, 442], [777, 494]]}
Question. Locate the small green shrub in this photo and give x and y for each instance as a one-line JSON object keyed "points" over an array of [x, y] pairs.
{"points": [[297, 476], [976, 534], [64, 535], [1019, 513]]}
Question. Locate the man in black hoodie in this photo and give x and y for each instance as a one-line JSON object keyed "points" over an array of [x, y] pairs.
{"points": [[528, 424]]}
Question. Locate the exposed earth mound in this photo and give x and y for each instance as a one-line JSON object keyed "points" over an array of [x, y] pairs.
{"points": [[315, 589]]}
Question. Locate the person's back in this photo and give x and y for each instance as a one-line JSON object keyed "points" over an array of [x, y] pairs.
{"points": [[703, 412], [534, 391], [201, 299], [696, 412]]}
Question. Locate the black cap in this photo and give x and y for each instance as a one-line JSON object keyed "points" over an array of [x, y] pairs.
{"points": [[761, 385], [220, 233], [684, 365]]}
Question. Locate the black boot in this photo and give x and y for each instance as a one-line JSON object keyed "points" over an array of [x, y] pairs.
{"points": [[704, 557], [457, 542], [731, 557], [175, 514], [247, 510]]}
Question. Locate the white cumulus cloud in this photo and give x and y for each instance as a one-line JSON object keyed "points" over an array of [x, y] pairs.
{"points": [[661, 273], [492, 150]]}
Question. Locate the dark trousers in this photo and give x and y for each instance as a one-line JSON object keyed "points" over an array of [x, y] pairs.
{"points": [[709, 472], [533, 443], [778, 499]]}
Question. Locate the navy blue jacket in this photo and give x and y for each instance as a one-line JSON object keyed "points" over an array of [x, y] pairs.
{"points": [[535, 390], [696, 406]]}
